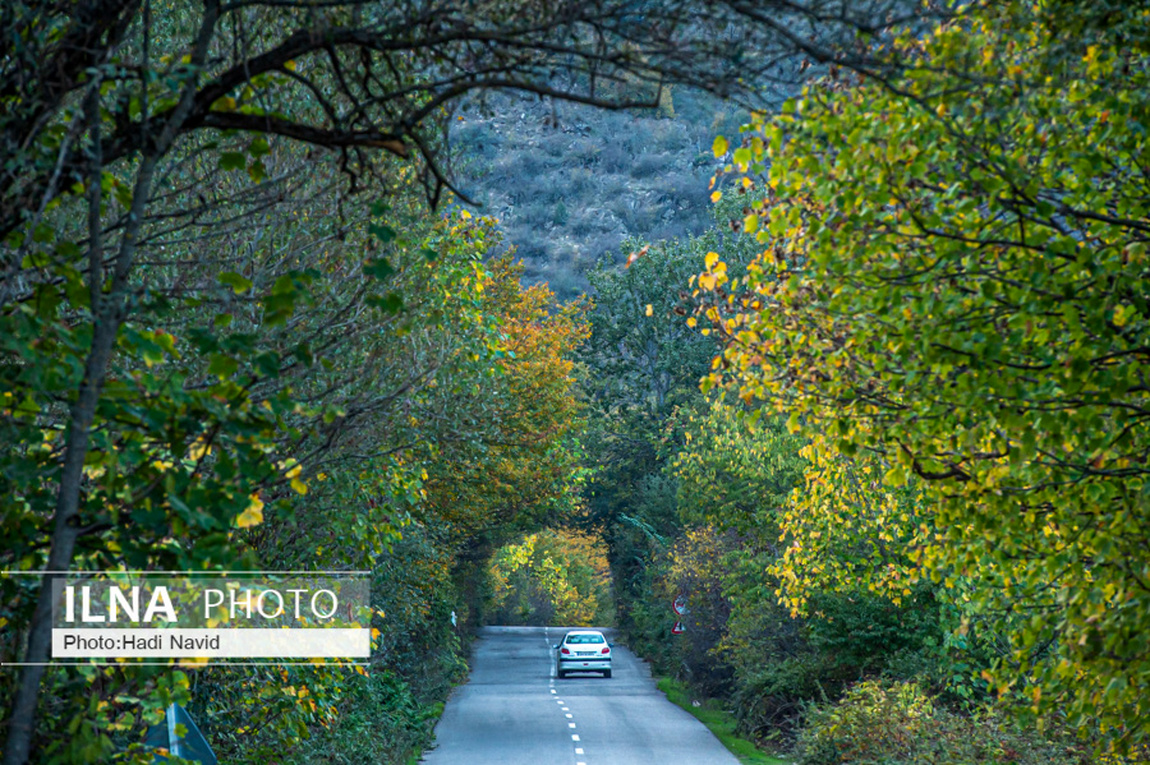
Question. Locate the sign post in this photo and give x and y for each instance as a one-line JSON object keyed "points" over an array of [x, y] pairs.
{"points": [[679, 606]]}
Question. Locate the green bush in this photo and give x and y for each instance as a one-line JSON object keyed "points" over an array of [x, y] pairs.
{"points": [[769, 701], [899, 724], [864, 630], [381, 721]]}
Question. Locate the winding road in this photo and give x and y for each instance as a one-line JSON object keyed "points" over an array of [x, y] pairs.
{"points": [[514, 711]]}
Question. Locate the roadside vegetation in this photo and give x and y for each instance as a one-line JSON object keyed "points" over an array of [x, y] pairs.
{"points": [[905, 505], [862, 384], [555, 577], [719, 721]]}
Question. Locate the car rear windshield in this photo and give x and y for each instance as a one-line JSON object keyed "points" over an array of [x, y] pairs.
{"points": [[573, 639]]}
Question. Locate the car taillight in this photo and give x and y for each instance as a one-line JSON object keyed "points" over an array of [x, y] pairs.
{"points": [[606, 650], [564, 650]]}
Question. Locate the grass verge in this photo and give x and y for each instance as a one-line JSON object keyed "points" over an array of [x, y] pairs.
{"points": [[718, 721]]}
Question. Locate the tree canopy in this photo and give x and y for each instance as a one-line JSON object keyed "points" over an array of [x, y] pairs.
{"points": [[953, 299]]}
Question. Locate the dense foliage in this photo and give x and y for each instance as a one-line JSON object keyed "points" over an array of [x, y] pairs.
{"points": [[952, 304], [219, 350], [906, 504], [558, 578]]}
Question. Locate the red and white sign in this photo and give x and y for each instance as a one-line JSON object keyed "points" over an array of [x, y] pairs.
{"points": [[678, 629], [679, 606]]}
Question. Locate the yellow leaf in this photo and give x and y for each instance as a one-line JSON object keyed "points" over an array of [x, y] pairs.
{"points": [[289, 65], [719, 146], [299, 486], [711, 259], [649, 310], [751, 223], [691, 322], [465, 215], [253, 515], [199, 450], [199, 661], [716, 196]]}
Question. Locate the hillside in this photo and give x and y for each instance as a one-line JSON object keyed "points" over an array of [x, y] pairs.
{"points": [[569, 183]]}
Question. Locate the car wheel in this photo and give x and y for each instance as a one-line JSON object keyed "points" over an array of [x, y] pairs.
{"points": [[606, 674]]}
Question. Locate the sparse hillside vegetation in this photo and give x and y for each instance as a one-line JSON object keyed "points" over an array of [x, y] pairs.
{"points": [[568, 183]]}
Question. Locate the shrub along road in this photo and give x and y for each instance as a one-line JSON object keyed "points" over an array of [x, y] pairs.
{"points": [[514, 711]]}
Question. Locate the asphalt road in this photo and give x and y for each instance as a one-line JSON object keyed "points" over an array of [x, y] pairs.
{"points": [[513, 711]]}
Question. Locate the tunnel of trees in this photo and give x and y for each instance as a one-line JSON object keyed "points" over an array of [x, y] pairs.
{"points": [[872, 400]]}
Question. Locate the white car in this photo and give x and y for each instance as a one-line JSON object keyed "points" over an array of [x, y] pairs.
{"points": [[583, 651]]}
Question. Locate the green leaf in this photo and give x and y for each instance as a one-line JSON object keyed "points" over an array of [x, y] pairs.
{"points": [[232, 160], [378, 268], [222, 365], [238, 283], [257, 172], [382, 232]]}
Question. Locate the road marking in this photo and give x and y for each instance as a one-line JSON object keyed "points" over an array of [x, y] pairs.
{"points": [[578, 750], [553, 690], [580, 763], [574, 736], [570, 725], [565, 709], [568, 714]]}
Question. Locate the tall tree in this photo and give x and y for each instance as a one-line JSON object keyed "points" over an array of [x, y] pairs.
{"points": [[113, 108], [955, 284]]}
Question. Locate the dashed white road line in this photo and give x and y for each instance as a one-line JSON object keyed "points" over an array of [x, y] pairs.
{"points": [[561, 702]]}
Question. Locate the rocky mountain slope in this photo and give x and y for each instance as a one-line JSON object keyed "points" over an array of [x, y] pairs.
{"points": [[570, 183]]}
